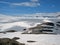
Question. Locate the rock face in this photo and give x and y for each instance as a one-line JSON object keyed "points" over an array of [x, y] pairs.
{"points": [[16, 38], [11, 31], [7, 41], [30, 41], [43, 28]]}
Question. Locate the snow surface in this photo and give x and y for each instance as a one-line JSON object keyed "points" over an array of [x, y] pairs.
{"points": [[20, 23], [16, 23], [41, 39]]}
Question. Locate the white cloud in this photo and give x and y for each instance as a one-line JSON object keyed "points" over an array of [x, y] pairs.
{"points": [[30, 4], [6, 18], [34, 0], [33, 3]]}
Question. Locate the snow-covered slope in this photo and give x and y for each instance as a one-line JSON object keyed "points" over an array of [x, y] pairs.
{"points": [[41, 39], [16, 23], [21, 22], [10, 25]]}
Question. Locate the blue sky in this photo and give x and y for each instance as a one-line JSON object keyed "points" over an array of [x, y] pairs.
{"points": [[18, 7]]}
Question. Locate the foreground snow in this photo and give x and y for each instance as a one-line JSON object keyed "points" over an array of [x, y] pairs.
{"points": [[41, 39]]}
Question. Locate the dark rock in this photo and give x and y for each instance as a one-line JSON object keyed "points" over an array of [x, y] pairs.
{"points": [[31, 41], [16, 38], [24, 29], [7, 41], [3, 32], [11, 31]]}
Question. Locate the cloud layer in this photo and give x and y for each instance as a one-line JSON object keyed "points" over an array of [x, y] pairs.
{"points": [[32, 3], [34, 0]]}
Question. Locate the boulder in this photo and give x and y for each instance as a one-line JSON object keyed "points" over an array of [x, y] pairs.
{"points": [[8, 41]]}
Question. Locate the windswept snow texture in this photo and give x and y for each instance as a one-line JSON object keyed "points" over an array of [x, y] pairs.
{"points": [[16, 23], [11, 25], [41, 39], [20, 23]]}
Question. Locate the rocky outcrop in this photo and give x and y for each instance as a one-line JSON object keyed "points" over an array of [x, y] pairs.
{"points": [[11, 31], [16, 38], [7, 41], [30, 41]]}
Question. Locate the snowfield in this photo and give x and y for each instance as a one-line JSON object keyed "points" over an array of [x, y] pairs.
{"points": [[18, 24], [41, 39]]}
